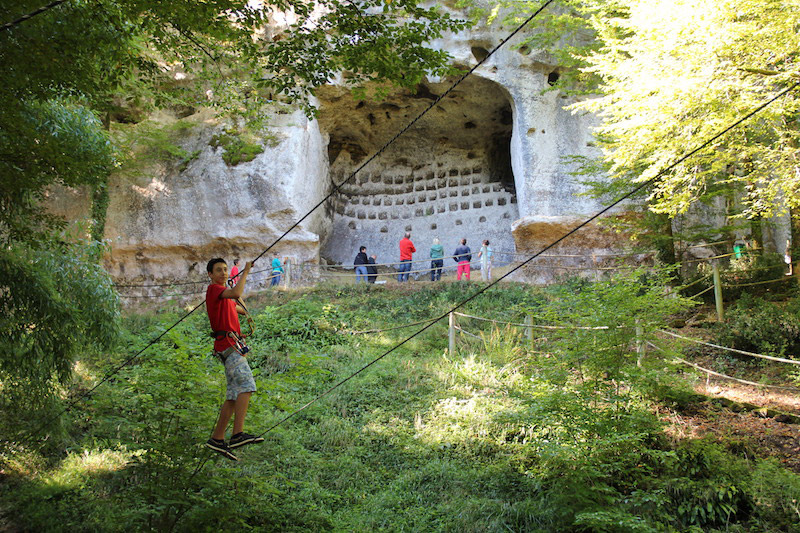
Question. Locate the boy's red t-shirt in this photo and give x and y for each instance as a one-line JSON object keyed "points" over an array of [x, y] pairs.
{"points": [[222, 315]]}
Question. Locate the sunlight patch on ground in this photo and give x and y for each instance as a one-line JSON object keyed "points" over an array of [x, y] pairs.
{"points": [[453, 419], [74, 470]]}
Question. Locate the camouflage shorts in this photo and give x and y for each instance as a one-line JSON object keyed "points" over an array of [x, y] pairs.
{"points": [[238, 376]]}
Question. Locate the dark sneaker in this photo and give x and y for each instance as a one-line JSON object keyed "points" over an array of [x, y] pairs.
{"points": [[221, 448], [240, 439]]}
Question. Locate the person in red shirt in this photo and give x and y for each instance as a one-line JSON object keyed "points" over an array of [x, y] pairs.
{"points": [[222, 304], [234, 273], [406, 251]]}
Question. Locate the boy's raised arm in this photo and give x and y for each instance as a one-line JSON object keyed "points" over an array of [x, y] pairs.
{"points": [[237, 290]]}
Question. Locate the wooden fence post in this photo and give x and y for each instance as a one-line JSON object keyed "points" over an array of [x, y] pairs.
{"points": [[288, 266], [639, 343], [452, 334], [529, 329], [718, 292]]}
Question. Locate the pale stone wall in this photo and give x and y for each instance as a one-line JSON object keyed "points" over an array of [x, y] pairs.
{"points": [[489, 154], [165, 224]]}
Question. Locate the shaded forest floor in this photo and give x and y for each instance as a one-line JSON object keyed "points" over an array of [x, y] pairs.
{"points": [[748, 431]]}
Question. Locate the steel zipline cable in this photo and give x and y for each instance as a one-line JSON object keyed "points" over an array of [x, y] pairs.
{"points": [[23, 18], [335, 190], [548, 247], [619, 200]]}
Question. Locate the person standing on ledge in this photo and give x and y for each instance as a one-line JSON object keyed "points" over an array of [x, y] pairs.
{"points": [[360, 262], [485, 255], [223, 314], [277, 270], [372, 270], [462, 256], [234, 273], [437, 260], [406, 253]]}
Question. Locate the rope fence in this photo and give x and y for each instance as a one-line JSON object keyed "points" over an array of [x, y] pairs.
{"points": [[422, 267], [742, 352], [718, 374], [640, 343]]}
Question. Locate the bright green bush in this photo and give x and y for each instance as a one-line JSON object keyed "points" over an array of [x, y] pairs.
{"points": [[757, 325], [236, 148]]}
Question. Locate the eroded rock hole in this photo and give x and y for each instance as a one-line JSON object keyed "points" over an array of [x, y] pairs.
{"points": [[479, 53], [456, 165]]}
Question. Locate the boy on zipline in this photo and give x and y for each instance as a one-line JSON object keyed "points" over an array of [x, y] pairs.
{"points": [[224, 308]]}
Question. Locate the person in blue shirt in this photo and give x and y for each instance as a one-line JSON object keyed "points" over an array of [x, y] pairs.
{"points": [[277, 270]]}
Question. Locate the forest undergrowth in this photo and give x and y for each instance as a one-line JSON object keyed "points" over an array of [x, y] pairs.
{"points": [[570, 431]]}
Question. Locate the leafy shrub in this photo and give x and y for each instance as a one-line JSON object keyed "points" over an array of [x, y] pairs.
{"points": [[756, 325], [756, 270]]}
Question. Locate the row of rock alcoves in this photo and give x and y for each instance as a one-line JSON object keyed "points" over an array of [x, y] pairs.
{"points": [[470, 221], [490, 193], [443, 206], [408, 184]]}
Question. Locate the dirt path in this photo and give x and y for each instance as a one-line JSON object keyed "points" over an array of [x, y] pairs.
{"points": [[748, 432]]}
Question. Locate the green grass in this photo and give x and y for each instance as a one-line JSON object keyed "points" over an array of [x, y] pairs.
{"points": [[500, 436]]}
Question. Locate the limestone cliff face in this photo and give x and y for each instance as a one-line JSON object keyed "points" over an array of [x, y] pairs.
{"points": [[490, 154], [165, 224]]}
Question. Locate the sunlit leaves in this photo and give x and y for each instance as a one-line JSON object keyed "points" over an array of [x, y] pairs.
{"points": [[680, 72], [54, 305]]}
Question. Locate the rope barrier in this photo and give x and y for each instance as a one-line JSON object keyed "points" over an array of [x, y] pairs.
{"points": [[593, 255], [467, 332], [743, 352], [702, 259], [449, 268], [784, 278], [392, 328], [199, 291], [472, 263], [705, 244], [540, 326], [395, 263], [703, 291], [177, 283], [724, 376], [693, 283]]}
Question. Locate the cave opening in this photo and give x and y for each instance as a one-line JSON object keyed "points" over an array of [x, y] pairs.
{"points": [[449, 177]]}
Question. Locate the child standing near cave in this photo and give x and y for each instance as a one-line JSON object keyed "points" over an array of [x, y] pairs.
{"points": [[224, 308]]}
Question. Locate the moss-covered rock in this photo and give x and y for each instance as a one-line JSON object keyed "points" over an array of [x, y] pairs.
{"points": [[236, 148]]}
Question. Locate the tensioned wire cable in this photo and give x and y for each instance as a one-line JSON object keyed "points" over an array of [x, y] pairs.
{"points": [[320, 203], [551, 245], [23, 18]]}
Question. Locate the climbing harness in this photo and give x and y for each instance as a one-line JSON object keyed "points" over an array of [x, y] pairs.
{"points": [[239, 342]]}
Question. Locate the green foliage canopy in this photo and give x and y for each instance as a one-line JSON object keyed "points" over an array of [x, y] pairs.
{"points": [[55, 305], [669, 75]]}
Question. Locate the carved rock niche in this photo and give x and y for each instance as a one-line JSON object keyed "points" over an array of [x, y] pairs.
{"points": [[460, 150]]}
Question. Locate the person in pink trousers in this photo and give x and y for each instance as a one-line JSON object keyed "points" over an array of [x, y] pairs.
{"points": [[462, 256]]}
